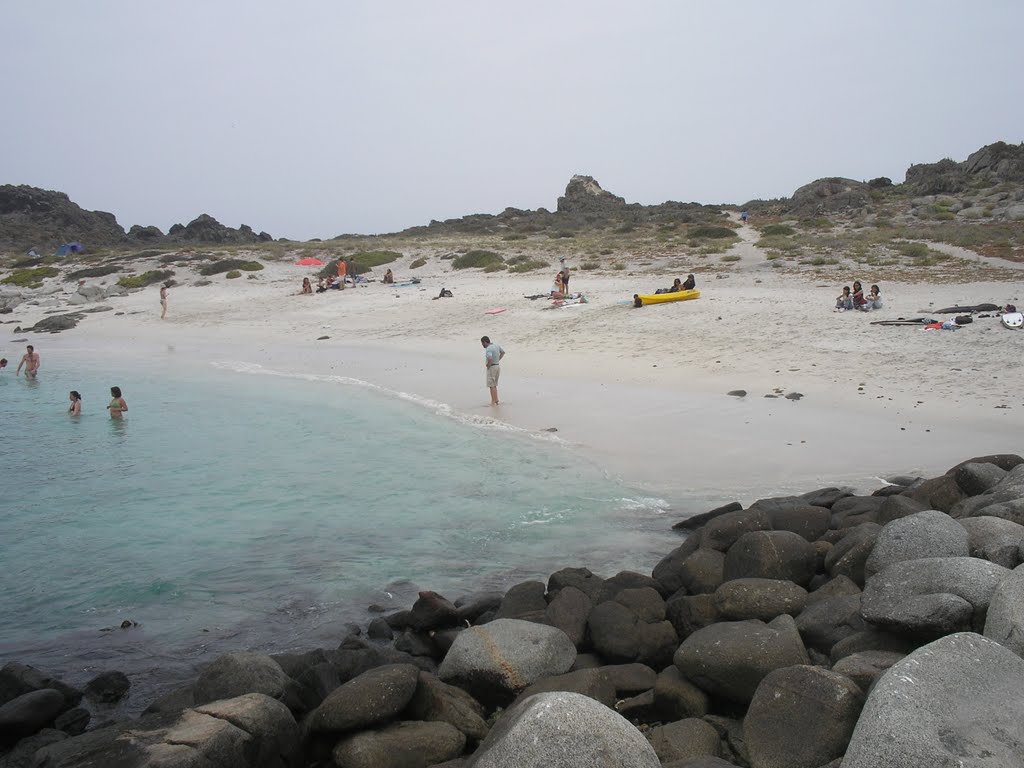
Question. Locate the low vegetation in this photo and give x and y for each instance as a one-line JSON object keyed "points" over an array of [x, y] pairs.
{"points": [[146, 278], [707, 231], [477, 260], [417, 263], [233, 274], [526, 265], [229, 265], [30, 278], [777, 229]]}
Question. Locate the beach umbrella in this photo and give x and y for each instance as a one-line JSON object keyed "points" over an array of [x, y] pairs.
{"points": [[309, 262]]}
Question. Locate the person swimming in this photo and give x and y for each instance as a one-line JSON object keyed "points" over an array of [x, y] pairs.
{"points": [[76, 403]]}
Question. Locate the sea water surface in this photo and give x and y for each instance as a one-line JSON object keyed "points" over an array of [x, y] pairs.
{"points": [[235, 509]]}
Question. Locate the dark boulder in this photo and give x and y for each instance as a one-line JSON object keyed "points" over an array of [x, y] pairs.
{"points": [[1004, 622], [400, 745], [994, 539], [379, 630], [866, 667], [941, 493], [828, 621], [593, 683], [827, 196], [370, 699], [472, 607], [850, 553], [239, 672], [931, 596], [439, 702], [702, 572], [722, 532], [524, 601], [801, 717], [825, 497], [771, 555], [896, 507], [835, 587], [569, 611], [107, 688], [432, 611], [808, 521], [668, 571], [676, 698], [729, 659], [696, 521], [584, 195], [925, 534], [854, 510], [975, 479], [633, 628], [581, 578], [688, 613], [29, 713], [762, 599], [73, 722], [16, 679], [872, 640], [684, 739]]}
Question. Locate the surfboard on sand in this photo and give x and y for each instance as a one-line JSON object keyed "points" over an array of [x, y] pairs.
{"points": [[497, 311], [905, 321]]}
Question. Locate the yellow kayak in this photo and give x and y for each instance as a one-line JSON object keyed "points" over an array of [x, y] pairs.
{"points": [[643, 299]]}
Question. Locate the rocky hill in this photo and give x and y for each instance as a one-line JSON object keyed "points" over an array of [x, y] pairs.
{"points": [[41, 219]]}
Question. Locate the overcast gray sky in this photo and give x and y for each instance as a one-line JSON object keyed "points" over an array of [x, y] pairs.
{"points": [[309, 119]]}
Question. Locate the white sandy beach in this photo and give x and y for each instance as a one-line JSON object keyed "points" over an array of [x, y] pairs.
{"points": [[641, 391]]}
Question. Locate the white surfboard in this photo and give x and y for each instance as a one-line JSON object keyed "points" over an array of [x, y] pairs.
{"points": [[1014, 320]]}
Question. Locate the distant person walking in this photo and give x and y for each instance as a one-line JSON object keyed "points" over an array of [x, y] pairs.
{"points": [[31, 362], [117, 405], [743, 216], [163, 301], [76, 403], [492, 360]]}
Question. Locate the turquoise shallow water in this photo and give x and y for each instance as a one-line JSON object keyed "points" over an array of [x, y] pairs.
{"points": [[234, 509]]}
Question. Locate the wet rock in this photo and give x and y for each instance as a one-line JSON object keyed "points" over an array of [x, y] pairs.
{"points": [[994, 539], [400, 745], [524, 601], [378, 629], [569, 611], [432, 611], [850, 554], [722, 532], [702, 572], [435, 701], [240, 672], [29, 713], [695, 522], [471, 607], [676, 698], [977, 478], [1005, 620], [16, 679]]}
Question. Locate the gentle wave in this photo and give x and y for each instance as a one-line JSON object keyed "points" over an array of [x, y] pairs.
{"points": [[434, 406]]}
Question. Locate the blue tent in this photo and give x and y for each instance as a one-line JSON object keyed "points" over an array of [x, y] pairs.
{"points": [[68, 248]]}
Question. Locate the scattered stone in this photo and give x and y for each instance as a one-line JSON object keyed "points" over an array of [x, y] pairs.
{"points": [[794, 396], [737, 393], [684, 740], [432, 611], [322, 338]]}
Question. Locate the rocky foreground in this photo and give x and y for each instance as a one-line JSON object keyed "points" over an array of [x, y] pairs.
{"points": [[819, 630]]}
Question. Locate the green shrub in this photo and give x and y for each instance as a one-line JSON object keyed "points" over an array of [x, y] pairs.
{"points": [[710, 232], [528, 265], [514, 236], [777, 229], [477, 260], [365, 261], [495, 266], [418, 263], [30, 278], [146, 278], [607, 251], [625, 229], [562, 233], [944, 216], [227, 265], [618, 265], [27, 263], [586, 266], [731, 257], [150, 254], [913, 250], [108, 269], [233, 274]]}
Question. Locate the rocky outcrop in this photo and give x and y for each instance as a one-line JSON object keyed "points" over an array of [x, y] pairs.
{"points": [[38, 218], [584, 195], [206, 229], [829, 195], [994, 163]]}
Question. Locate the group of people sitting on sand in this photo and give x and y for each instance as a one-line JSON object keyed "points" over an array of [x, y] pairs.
{"points": [[679, 285], [857, 300]]}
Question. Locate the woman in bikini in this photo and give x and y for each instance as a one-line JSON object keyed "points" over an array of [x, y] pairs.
{"points": [[117, 405]]}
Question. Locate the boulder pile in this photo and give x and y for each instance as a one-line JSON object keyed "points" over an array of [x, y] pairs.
{"points": [[800, 632]]}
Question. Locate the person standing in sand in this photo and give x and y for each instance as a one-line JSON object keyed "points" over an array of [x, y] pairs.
{"points": [[31, 362], [117, 405], [565, 275], [342, 271], [492, 359], [163, 301]]}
